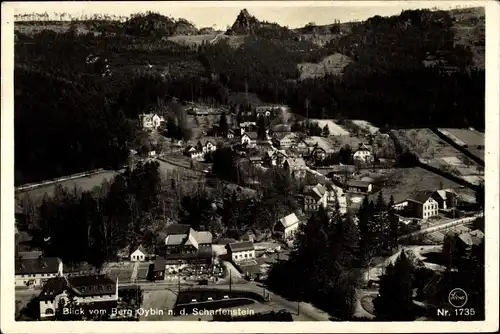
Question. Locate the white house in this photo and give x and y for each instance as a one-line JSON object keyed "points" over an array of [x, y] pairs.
{"points": [[363, 154], [151, 121], [193, 153], [138, 255], [241, 251], [249, 138], [35, 272], [96, 290], [422, 205], [288, 226], [315, 197], [206, 145]]}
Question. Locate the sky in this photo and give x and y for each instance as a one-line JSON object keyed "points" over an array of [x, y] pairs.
{"points": [[220, 14]]}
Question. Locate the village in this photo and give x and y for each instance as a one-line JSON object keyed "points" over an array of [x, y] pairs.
{"points": [[338, 165]]}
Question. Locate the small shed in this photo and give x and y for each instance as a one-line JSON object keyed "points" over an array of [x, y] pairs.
{"points": [[138, 255]]}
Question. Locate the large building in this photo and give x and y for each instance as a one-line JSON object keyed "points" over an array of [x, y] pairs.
{"points": [[314, 197], [241, 251], [183, 246], [93, 291], [422, 205], [190, 242], [34, 272]]}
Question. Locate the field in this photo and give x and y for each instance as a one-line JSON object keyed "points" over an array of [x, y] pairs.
{"points": [[402, 182], [340, 141], [159, 300], [437, 153], [471, 140], [366, 125], [195, 40], [333, 64], [322, 142], [84, 183], [334, 128]]}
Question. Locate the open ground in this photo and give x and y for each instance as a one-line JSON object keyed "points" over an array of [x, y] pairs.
{"points": [[332, 64], [334, 128]]}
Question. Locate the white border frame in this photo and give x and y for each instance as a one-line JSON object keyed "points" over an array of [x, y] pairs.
{"points": [[8, 325]]}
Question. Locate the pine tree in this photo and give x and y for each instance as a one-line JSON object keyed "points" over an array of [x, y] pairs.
{"points": [[391, 204], [326, 131], [395, 299], [380, 205], [223, 126]]}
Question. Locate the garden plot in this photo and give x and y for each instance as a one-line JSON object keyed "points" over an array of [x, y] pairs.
{"points": [[334, 128]]}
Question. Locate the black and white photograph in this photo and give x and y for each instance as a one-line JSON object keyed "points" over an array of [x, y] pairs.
{"points": [[333, 163]]}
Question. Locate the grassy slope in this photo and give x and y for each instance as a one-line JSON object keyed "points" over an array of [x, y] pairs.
{"points": [[469, 28]]}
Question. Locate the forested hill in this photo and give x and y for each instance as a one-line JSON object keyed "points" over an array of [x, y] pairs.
{"points": [[78, 92]]}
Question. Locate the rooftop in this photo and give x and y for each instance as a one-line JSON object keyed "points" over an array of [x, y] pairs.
{"points": [[241, 246], [289, 220], [421, 196], [92, 285], [43, 265], [357, 183]]}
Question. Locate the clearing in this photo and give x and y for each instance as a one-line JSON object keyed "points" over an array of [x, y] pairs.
{"points": [[334, 128], [402, 182], [469, 139], [437, 153], [196, 40], [85, 183], [365, 125], [333, 64]]}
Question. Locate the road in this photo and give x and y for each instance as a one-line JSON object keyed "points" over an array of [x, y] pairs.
{"points": [[460, 221], [307, 311]]}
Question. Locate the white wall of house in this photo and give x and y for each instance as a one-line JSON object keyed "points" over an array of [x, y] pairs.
{"points": [[33, 279], [48, 307], [290, 231], [362, 155], [243, 255], [137, 256], [37, 279]]}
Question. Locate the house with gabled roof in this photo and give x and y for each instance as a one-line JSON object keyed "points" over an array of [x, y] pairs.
{"points": [[241, 251], [206, 144], [421, 204], [358, 186], [363, 154], [314, 197], [90, 291], [446, 198], [284, 140], [471, 238], [151, 121], [33, 272], [190, 242], [288, 226], [275, 158], [139, 254], [249, 138], [193, 152]]}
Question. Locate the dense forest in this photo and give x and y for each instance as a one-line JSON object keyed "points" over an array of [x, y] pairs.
{"points": [[100, 82]]}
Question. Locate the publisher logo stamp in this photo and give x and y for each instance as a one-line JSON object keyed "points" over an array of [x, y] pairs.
{"points": [[457, 297]]}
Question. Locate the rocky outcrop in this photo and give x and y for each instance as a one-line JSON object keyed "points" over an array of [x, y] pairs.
{"points": [[244, 24]]}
